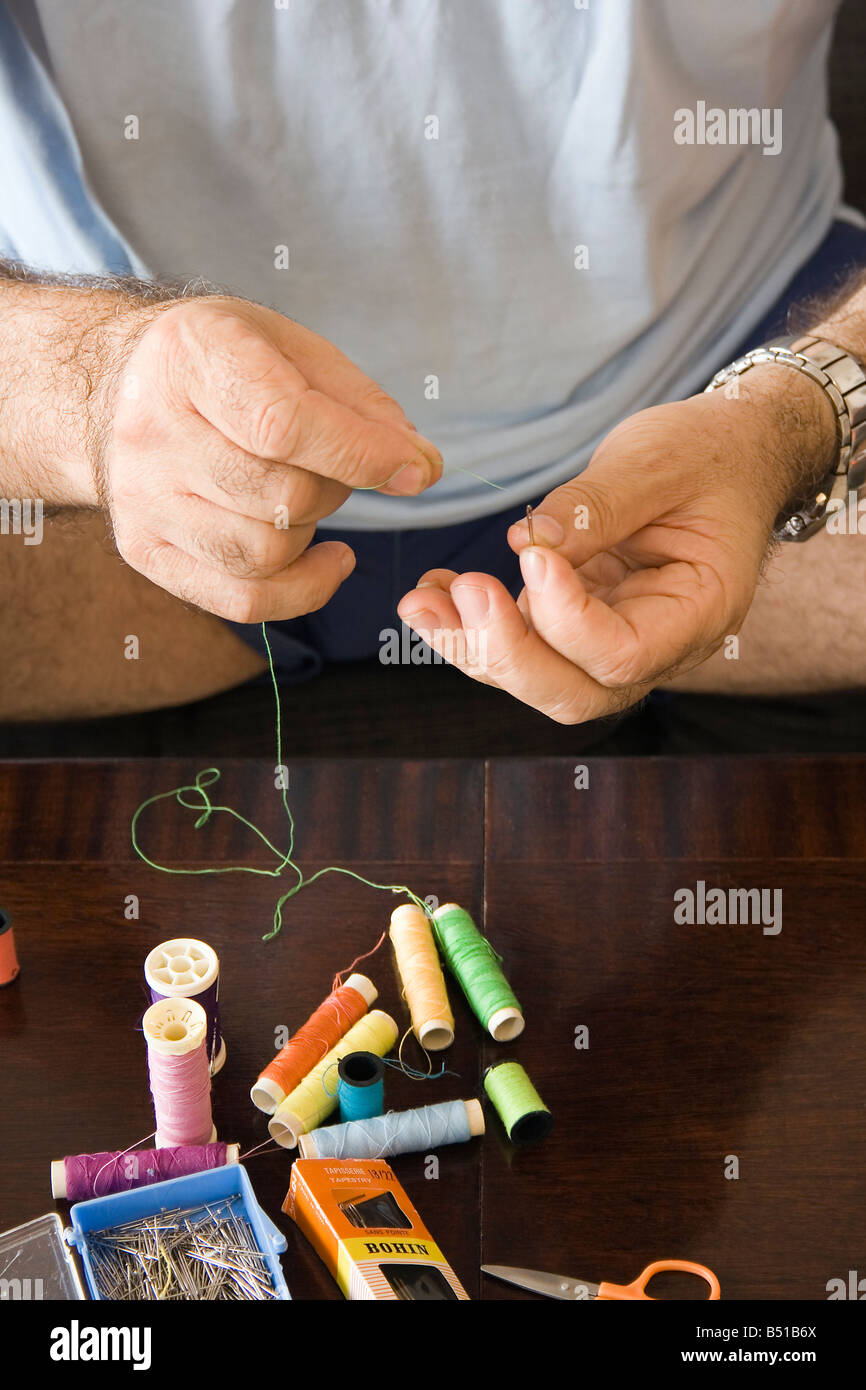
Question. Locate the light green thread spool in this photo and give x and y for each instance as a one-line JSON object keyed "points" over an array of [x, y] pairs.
{"points": [[475, 965], [517, 1103]]}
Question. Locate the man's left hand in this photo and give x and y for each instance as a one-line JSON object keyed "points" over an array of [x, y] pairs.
{"points": [[644, 563]]}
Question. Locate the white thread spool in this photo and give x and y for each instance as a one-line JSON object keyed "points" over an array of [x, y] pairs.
{"points": [[177, 1028], [184, 969]]}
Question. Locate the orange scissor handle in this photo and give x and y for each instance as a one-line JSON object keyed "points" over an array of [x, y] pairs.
{"points": [[638, 1288]]}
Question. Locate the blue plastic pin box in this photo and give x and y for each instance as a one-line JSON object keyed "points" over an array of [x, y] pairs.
{"points": [[190, 1193]]}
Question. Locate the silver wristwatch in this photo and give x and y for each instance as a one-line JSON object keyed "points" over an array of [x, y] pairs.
{"points": [[844, 383]]}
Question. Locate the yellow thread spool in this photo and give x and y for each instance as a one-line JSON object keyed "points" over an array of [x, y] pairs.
{"points": [[423, 981], [310, 1103]]}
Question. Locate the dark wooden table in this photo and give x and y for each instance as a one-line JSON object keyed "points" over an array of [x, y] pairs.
{"points": [[705, 1042]]}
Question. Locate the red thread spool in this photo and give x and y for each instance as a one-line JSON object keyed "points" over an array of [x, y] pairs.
{"points": [[305, 1049], [8, 959]]}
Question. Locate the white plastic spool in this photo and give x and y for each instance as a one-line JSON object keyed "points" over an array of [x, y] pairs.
{"points": [[506, 1024], [182, 969]]}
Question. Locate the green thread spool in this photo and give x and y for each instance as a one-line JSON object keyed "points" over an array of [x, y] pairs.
{"points": [[475, 965], [517, 1103]]}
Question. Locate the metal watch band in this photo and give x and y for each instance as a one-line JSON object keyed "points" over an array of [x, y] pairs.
{"points": [[843, 381]]}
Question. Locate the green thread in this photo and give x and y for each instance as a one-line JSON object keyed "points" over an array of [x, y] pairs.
{"points": [[479, 476], [375, 487], [211, 775], [473, 962], [517, 1103]]}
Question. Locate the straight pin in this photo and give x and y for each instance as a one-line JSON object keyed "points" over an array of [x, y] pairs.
{"points": [[207, 1254], [529, 525]]}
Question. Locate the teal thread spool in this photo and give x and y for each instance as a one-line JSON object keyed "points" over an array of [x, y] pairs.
{"points": [[475, 965], [517, 1103], [360, 1086]]}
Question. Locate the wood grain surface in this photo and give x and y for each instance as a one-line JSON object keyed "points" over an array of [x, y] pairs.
{"points": [[705, 1042]]}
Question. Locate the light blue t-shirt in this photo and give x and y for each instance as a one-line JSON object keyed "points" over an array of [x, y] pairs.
{"points": [[524, 218]]}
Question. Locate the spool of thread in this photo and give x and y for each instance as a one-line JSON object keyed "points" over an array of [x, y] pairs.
{"points": [[517, 1103], [175, 1030], [82, 1176], [189, 969], [360, 1086], [310, 1103], [8, 957], [474, 964], [400, 1132], [423, 981], [314, 1039]]}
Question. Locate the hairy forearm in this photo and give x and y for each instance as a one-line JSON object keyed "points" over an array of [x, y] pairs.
{"points": [[840, 320], [60, 346], [806, 629]]}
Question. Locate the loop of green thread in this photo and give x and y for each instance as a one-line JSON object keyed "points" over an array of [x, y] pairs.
{"points": [[194, 797], [473, 962], [517, 1103]]}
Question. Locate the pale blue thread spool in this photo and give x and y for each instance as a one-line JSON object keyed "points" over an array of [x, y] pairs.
{"points": [[398, 1132], [360, 1086]]}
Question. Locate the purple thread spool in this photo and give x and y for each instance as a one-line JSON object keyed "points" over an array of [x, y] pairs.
{"points": [[82, 1176], [189, 969]]}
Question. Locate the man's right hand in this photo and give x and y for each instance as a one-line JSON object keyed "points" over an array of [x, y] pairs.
{"points": [[228, 432]]}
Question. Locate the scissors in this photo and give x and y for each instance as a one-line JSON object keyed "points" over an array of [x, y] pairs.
{"points": [[558, 1286]]}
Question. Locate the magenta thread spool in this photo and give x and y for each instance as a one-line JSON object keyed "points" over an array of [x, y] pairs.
{"points": [[82, 1176], [188, 969]]}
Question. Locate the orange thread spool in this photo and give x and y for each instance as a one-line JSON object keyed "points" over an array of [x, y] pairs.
{"points": [[8, 958], [324, 1028]]}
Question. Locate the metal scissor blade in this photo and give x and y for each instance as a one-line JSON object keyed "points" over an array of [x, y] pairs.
{"points": [[551, 1285]]}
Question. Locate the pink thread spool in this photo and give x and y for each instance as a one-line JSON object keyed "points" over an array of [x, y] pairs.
{"points": [[176, 1035]]}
